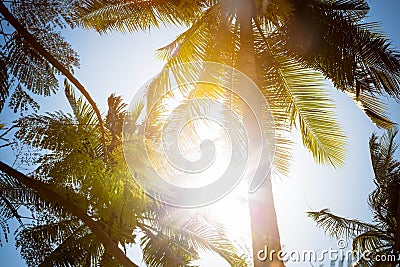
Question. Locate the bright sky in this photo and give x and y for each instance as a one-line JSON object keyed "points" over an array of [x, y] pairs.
{"points": [[121, 64]]}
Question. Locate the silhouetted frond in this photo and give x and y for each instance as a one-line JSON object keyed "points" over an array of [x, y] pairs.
{"points": [[4, 83], [337, 226], [25, 66], [20, 100]]}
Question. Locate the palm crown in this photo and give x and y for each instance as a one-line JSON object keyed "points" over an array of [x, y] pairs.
{"points": [[296, 44], [381, 237]]}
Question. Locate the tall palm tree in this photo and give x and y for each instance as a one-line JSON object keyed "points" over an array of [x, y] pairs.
{"points": [[382, 236], [287, 48]]}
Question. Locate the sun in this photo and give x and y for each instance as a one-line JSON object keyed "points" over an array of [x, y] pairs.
{"points": [[231, 210]]}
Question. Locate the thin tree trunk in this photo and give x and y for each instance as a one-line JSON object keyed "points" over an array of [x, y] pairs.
{"points": [[54, 62], [48, 194], [265, 233], [397, 233]]}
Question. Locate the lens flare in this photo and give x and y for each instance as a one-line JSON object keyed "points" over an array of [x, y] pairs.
{"points": [[204, 128]]}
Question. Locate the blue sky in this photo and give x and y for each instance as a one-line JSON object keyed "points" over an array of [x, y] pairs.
{"points": [[122, 63]]}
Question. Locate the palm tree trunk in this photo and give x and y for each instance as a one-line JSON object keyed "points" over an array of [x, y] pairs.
{"points": [[264, 226], [56, 64], [397, 233], [265, 233], [48, 194]]}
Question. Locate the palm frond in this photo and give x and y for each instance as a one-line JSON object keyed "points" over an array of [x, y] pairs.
{"points": [[382, 152], [47, 131], [274, 13], [136, 110], [29, 66], [181, 244], [115, 120], [4, 82], [70, 95], [379, 238], [63, 243], [299, 94], [29, 198], [339, 227], [83, 112], [283, 151], [44, 12], [21, 65], [132, 122], [355, 10], [352, 54], [132, 16], [372, 240], [78, 248], [384, 199], [212, 37], [373, 107], [21, 100]]}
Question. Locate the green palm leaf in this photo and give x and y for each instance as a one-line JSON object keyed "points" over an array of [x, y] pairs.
{"points": [[299, 92], [132, 16], [356, 10]]}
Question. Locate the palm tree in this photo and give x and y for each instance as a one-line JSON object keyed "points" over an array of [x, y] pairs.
{"points": [[70, 236], [287, 48], [81, 203], [382, 236], [60, 208]]}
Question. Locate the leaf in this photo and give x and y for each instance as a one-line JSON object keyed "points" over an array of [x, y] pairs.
{"points": [[180, 245], [337, 226], [355, 10], [299, 97], [344, 49], [30, 68], [106, 16], [373, 107], [20, 100], [43, 12], [4, 82]]}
